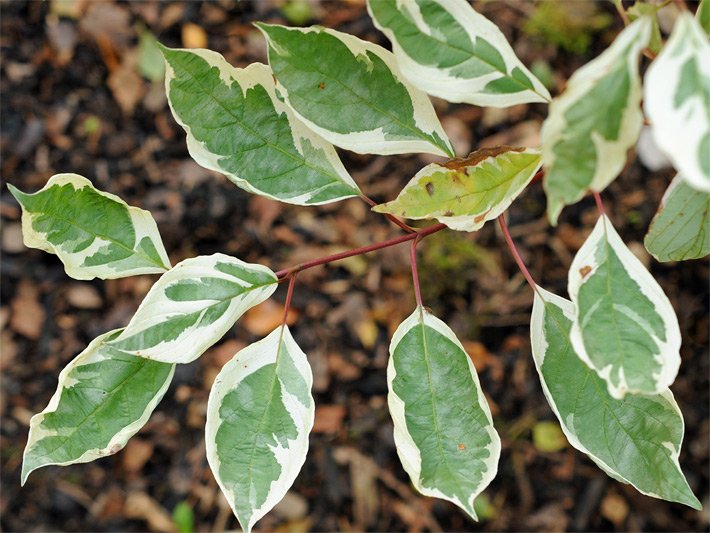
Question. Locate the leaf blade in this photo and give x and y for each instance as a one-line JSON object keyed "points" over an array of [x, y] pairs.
{"points": [[681, 228], [352, 93], [465, 193], [244, 131], [103, 398], [191, 306], [594, 122], [647, 430], [449, 50], [462, 459], [255, 473], [94, 233], [625, 327], [677, 99]]}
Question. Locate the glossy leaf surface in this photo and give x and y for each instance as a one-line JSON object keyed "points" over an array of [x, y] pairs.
{"points": [[465, 193], [681, 228], [677, 101], [352, 93], [259, 415], [635, 440], [193, 305], [236, 125], [94, 233], [103, 398], [625, 327], [594, 122], [448, 50], [442, 423]]}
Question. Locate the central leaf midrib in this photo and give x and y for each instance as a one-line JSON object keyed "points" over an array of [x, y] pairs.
{"points": [[298, 158]]}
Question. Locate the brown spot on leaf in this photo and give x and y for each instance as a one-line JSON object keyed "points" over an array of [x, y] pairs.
{"points": [[449, 214], [479, 155], [585, 270], [321, 86], [479, 218], [429, 188], [461, 447]]}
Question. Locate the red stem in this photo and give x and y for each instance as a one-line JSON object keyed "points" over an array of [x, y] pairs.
{"points": [[415, 272], [289, 295], [359, 251], [514, 251], [389, 217], [600, 204]]}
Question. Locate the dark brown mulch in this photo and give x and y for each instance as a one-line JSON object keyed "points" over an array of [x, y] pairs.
{"points": [[73, 101]]}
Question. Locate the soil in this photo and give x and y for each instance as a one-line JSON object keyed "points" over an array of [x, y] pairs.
{"points": [[74, 100]]}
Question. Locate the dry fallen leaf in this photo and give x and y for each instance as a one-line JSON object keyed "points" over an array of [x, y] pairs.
{"points": [[266, 317], [136, 454], [329, 418], [193, 36], [140, 506], [84, 296], [27, 313]]}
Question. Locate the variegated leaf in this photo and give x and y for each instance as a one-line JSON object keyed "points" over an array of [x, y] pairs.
{"points": [[594, 122], [703, 15], [103, 398], [352, 93], [625, 327], [236, 125], [677, 101], [681, 228], [94, 233], [465, 193], [448, 50], [635, 440], [259, 415], [442, 423], [191, 306]]}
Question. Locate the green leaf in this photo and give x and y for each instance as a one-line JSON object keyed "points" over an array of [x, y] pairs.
{"points": [[442, 423], [191, 306], [448, 50], [259, 415], [625, 327], [352, 93], [465, 193], [681, 228], [150, 59], [635, 440], [94, 233], [103, 398], [677, 101], [236, 125], [594, 122], [703, 15]]}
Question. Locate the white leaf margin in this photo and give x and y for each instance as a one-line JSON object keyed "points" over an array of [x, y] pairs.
{"points": [[438, 82], [611, 155], [407, 450], [143, 223], [374, 141], [678, 132], [91, 354], [539, 350], [669, 355], [291, 459], [247, 78], [193, 341]]}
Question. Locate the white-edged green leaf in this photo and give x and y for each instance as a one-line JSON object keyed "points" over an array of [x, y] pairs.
{"points": [[236, 125], [635, 440], [448, 50], [625, 327], [681, 228], [103, 398], [442, 423], [677, 101], [259, 414], [94, 233], [191, 306], [352, 93], [594, 122], [465, 193]]}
